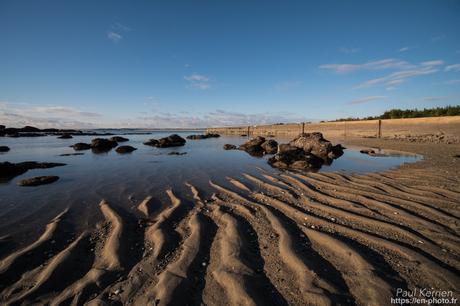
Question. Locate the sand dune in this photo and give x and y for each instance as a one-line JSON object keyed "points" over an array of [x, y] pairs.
{"points": [[266, 238]]}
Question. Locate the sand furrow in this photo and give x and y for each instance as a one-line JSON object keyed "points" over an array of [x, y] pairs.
{"points": [[105, 266], [145, 207]]}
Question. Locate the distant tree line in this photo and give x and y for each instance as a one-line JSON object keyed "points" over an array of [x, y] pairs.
{"points": [[412, 113]]}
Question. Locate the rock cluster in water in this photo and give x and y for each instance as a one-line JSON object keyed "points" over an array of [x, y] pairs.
{"points": [[118, 139], [31, 131], [99, 145], [4, 148], [259, 146], [173, 140], [38, 180], [228, 146], [125, 149], [203, 136], [306, 151]]}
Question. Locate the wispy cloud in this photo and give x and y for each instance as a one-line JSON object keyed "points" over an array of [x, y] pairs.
{"points": [[121, 27], [404, 49], [390, 63], [115, 37], [15, 114], [349, 50], [365, 100], [454, 67], [198, 81], [406, 72], [452, 82], [438, 38]]}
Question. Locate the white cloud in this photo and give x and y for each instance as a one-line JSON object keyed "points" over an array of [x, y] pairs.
{"points": [[392, 80], [455, 67], [196, 77], [349, 50], [113, 36], [372, 65], [365, 100], [121, 27], [198, 81], [404, 49]]}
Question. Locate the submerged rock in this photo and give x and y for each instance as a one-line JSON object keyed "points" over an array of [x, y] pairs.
{"points": [[177, 153], [118, 139], [38, 180], [173, 140], [102, 144], [151, 142], [9, 170], [229, 147], [80, 146], [65, 136], [203, 136], [71, 154], [125, 149], [4, 149]]}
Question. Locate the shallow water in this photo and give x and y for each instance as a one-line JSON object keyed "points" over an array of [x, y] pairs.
{"points": [[127, 179]]}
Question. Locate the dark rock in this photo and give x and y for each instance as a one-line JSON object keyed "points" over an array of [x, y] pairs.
{"points": [[4, 149], [367, 151], [38, 180], [244, 135], [229, 147], [81, 146], [313, 143], [125, 149], [204, 136], [177, 153], [71, 154], [152, 142], [336, 151], [270, 146], [102, 145], [30, 129], [257, 141], [65, 136], [10, 170], [118, 139], [173, 140]]}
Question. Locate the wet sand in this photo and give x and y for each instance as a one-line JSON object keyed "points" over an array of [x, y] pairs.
{"points": [[265, 238]]}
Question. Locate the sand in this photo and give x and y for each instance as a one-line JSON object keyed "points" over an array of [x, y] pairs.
{"points": [[268, 239]]}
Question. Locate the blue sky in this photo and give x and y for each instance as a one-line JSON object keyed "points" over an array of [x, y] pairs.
{"points": [[210, 63]]}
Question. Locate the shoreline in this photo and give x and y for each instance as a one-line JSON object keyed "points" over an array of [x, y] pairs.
{"points": [[280, 237]]}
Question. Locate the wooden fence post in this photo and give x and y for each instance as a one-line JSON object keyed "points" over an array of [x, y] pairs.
{"points": [[380, 128], [248, 130], [303, 127]]}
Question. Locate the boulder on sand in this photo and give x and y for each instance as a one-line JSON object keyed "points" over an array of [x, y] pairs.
{"points": [[4, 149], [173, 140], [125, 149], [118, 139], [229, 147], [80, 146], [313, 143], [38, 180]]}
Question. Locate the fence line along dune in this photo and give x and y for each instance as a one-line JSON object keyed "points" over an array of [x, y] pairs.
{"points": [[445, 127]]}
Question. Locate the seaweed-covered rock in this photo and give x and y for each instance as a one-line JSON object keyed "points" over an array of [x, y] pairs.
{"points": [[125, 149], [38, 180], [313, 143], [80, 146], [118, 139], [229, 147]]}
